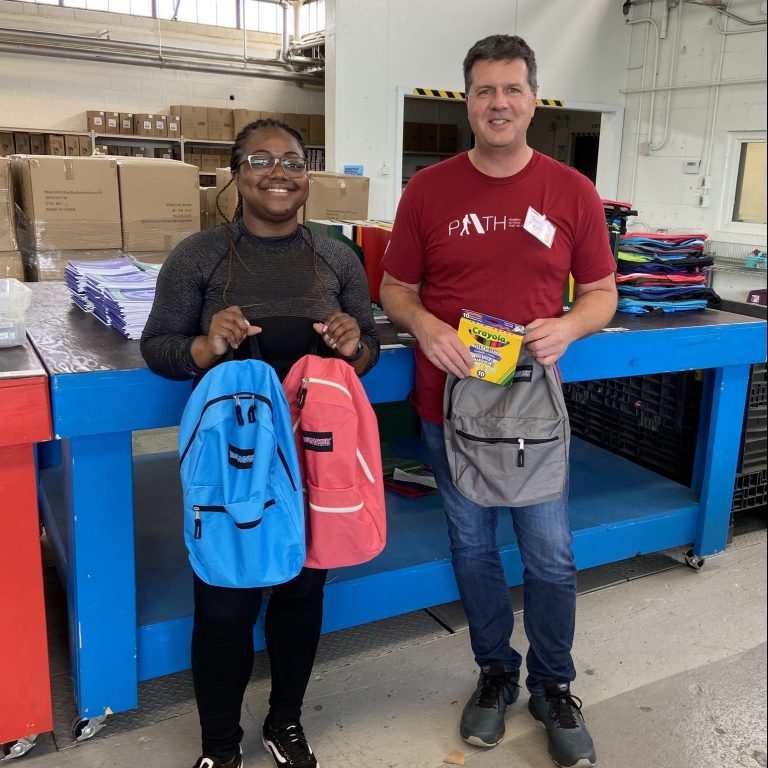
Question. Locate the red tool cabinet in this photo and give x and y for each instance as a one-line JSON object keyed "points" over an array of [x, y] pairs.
{"points": [[25, 419]]}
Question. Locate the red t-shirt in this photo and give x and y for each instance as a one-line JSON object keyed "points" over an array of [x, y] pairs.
{"points": [[460, 233]]}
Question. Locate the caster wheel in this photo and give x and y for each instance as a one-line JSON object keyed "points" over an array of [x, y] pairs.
{"points": [[13, 749], [694, 561], [87, 728]]}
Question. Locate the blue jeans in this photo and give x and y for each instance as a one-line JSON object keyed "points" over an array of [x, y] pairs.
{"points": [[549, 577]]}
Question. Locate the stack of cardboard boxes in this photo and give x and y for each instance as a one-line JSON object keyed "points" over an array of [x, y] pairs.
{"points": [[430, 137], [91, 208], [44, 144], [10, 258]]}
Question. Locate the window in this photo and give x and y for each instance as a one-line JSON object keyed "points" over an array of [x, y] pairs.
{"points": [[743, 204], [260, 15], [749, 206]]}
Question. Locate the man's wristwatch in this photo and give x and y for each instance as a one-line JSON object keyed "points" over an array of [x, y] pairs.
{"points": [[353, 358]]}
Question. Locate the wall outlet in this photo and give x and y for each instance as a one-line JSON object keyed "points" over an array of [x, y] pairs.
{"points": [[706, 182], [644, 148], [703, 201]]}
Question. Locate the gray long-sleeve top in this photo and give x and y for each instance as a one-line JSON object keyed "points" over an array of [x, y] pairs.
{"points": [[267, 277]]}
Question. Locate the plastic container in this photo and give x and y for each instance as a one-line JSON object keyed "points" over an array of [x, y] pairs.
{"points": [[15, 298]]}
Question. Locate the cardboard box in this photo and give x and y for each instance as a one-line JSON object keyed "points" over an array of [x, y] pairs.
{"points": [[7, 145], [243, 117], [411, 136], [67, 202], [336, 196], [96, 121], [54, 144], [37, 144], [164, 153], [174, 126], [143, 124], [136, 152], [194, 121], [494, 345], [220, 124], [7, 230], [125, 123], [40, 266], [317, 130], [111, 122], [160, 125], [273, 116], [72, 145], [21, 141], [85, 146], [11, 265], [209, 163], [194, 158], [226, 194], [159, 203], [300, 124]]}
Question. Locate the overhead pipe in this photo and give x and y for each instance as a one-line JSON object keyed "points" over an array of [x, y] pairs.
{"points": [[101, 45], [267, 72]]}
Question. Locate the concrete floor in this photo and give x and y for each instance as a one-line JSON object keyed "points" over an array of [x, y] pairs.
{"points": [[672, 671]]}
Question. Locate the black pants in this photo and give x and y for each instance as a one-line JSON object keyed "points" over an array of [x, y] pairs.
{"points": [[222, 652]]}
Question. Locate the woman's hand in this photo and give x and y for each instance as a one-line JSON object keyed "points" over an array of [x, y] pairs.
{"points": [[341, 333], [229, 328]]}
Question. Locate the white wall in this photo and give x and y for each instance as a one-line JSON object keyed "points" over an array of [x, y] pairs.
{"points": [[54, 93], [700, 119], [380, 46]]}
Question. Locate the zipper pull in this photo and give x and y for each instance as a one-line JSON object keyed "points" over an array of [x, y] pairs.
{"points": [[252, 410], [198, 523], [301, 395], [520, 452], [239, 411]]}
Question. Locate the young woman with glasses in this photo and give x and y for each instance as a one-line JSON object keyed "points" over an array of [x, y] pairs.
{"points": [[266, 286]]}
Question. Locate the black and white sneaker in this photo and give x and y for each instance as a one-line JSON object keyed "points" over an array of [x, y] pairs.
{"points": [[236, 761], [288, 745]]}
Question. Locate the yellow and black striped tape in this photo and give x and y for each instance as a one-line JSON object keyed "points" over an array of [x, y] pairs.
{"points": [[435, 93]]}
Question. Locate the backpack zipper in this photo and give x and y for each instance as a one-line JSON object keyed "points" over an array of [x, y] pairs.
{"points": [[301, 397], [238, 412], [521, 441], [198, 508]]}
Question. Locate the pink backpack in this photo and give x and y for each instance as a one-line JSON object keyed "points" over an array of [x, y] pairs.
{"points": [[337, 439]]}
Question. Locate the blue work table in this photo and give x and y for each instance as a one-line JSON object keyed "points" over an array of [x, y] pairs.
{"points": [[115, 520]]}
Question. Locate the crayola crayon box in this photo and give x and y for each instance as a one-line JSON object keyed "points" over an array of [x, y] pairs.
{"points": [[494, 345]]}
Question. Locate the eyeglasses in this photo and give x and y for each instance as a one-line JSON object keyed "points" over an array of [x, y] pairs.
{"points": [[263, 165]]}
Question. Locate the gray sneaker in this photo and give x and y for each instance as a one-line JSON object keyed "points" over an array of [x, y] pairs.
{"points": [[482, 721], [570, 744]]}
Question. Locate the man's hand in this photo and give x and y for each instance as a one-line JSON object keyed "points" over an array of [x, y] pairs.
{"points": [[546, 339], [442, 347]]}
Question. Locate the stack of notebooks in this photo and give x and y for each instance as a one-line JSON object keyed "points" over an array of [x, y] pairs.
{"points": [[119, 292], [663, 273]]}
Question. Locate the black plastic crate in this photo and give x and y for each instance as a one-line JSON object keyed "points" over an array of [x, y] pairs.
{"points": [[753, 454], [651, 420], [750, 491]]}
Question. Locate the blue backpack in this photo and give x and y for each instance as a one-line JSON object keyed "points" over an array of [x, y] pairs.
{"points": [[243, 505]]}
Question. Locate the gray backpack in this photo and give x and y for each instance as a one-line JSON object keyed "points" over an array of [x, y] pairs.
{"points": [[508, 446]]}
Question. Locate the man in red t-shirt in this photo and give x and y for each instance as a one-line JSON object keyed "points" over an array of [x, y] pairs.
{"points": [[497, 230]]}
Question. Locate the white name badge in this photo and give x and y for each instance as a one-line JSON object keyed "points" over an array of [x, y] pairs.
{"points": [[536, 223]]}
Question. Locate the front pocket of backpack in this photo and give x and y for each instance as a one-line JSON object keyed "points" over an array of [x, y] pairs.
{"points": [[339, 529], [231, 546], [508, 461]]}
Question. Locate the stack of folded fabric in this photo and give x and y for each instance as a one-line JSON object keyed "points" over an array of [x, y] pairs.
{"points": [[117, 292], [663, 273]]}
